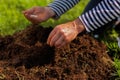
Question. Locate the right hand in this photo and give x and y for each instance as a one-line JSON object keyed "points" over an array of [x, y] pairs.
{"points": [[65, 33], [37, 15]]}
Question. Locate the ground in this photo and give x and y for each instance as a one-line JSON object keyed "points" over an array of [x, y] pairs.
{"points": [[26, 56]]}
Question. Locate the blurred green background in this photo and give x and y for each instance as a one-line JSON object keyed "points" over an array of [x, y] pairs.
{"points": [[12, 19]]}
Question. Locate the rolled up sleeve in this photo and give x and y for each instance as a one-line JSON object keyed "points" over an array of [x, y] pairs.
{"points": [[62, 6], [103, 13]]}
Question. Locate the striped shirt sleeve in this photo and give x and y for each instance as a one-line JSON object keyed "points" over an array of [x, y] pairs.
{"points": [[104, 12], [61, 6]]}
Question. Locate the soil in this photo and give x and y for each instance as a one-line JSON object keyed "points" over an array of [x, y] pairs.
{"points": [[26, 56]]}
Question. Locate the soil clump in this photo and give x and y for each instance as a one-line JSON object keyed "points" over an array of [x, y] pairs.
{"points": [[26, 56]]}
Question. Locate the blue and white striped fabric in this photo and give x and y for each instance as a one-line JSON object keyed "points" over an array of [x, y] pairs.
{"points": [[104, 12], [61, 6]]}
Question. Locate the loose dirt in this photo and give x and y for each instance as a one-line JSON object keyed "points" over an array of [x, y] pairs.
{"points": [[26, 56]]}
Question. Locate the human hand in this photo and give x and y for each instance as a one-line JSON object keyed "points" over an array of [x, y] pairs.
{"points": [[38, 14], [65, 33]]}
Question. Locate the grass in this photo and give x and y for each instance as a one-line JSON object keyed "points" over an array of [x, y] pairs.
{"points": [[12, 20], [11, 17], [110, 40]]}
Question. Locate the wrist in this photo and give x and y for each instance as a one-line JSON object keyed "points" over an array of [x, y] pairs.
{"points": [[50, 12], [79, 25]]}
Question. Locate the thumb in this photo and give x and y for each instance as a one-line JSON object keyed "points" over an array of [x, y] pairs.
{"points": [[33, 16]]}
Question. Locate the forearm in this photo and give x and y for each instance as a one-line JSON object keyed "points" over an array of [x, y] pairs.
{"points": [[61, 6], [103, 13]]}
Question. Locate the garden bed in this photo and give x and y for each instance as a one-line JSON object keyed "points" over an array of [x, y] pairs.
{"points": [[26, 56]]}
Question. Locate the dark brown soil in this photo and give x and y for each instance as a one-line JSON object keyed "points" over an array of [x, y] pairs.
{"points": [[26, 56]]}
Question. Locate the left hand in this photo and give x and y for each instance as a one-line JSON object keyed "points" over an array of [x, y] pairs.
{"points": [[65, 33], [38, 14]]}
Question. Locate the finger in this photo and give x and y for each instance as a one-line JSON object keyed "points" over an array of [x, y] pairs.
{"points": [[59, 41], [51, 35], [32, 18], [28, 17], [29, 11], [61, 45], [54, 39]]}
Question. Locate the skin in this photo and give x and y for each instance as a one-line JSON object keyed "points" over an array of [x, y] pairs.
{"points": [[61, 34], [41, 14]]}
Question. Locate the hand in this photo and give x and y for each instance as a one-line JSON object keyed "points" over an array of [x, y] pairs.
{"points": [[38, 14], [65, 33]]}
